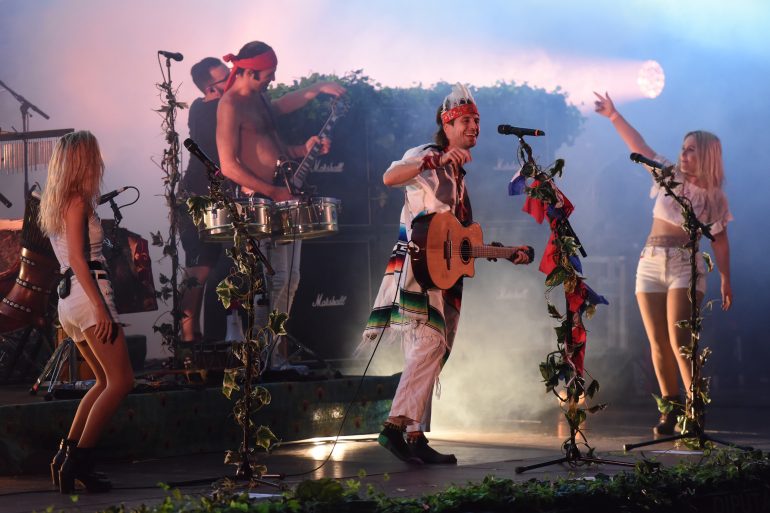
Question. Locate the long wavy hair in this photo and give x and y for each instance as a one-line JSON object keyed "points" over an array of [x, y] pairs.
{"points": [[440, 137], [75, 171], [709, 151]]}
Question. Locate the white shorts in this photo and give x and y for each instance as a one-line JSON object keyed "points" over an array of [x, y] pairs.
{"points": [[661, 269], [76, 314]]}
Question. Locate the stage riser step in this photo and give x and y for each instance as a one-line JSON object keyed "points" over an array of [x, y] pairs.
{"points": [[154, 425]]}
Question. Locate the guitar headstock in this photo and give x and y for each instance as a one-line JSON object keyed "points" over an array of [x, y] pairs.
{"points": [[340, 106]]}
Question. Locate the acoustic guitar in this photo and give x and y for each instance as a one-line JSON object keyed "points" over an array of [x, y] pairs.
{"points": [[442, 250]]}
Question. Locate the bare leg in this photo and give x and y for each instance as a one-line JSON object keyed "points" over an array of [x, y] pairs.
{"points": [[678, 309], [113, 362], [652, 306], [84, 408], [192, 300]]}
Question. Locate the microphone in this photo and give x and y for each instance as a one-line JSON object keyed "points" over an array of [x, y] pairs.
{"points": [[641, 159], [193, 148], [104, 198], [171, 55], [518, 132]]}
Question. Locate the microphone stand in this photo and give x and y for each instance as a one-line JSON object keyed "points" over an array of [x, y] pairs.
{"points": [[563, 228], [250, 259], [25, 106], [170, 166], [694, 427]]}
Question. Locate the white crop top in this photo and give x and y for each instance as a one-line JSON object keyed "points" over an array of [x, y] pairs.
{"points": [[92, 246], [710, 207]]}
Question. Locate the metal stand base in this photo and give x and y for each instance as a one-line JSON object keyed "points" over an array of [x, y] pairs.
{"points": [[573, 458], [702, 439], [66, 352]]}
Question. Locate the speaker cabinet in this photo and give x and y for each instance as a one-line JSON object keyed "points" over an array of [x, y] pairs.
{"points": [[333, 298]]}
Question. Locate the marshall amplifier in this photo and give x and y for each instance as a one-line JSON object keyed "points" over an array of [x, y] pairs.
{"points": [[333, 299]]}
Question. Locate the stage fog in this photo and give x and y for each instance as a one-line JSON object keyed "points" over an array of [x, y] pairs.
{"points": [[93, 65]]}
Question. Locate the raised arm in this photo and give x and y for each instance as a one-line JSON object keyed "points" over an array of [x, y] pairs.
{"points": [[402, 173], [76, 222], [632, 138], [294, 100], [228, 137]]}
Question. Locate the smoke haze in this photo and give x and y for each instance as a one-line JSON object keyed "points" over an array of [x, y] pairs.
{"points": [[92, 65]]}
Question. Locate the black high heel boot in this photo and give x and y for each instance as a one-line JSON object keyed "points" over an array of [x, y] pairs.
{"points": [[79, 466], [58, 459]]}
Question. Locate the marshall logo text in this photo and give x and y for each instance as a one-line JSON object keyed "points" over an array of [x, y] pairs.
{"points": [[321, 301]]}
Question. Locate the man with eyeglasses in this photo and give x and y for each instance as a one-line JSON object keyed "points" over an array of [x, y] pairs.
{"points": [[210, 76]]}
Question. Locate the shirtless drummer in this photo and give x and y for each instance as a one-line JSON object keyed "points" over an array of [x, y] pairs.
{"points": [[249, 147]]}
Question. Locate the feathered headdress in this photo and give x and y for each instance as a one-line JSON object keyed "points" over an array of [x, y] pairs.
{"points": [[458, 103]]}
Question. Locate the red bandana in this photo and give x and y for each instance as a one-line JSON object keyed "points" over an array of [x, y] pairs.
{"points": [[260, 62], [460, 110]]}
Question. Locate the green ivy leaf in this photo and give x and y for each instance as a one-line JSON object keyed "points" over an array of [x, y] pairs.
{"points": [[593, 387], [265, 438], [232, 457], [260, 396], [276, 322], [230, 382], [568, 245], [226, 292], [556, 277], [157, 239], [598, 407], [553, 311], [197, 206], [664, 405]]}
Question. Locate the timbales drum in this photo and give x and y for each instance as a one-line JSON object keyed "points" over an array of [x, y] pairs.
{"points": [[218, 224], [305, 219]]}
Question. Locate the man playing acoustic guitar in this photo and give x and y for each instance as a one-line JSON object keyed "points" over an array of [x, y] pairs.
{"points": [[426, 320]]}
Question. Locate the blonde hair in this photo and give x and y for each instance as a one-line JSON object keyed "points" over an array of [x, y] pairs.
{"points": [[711, 172], [75, 171]]}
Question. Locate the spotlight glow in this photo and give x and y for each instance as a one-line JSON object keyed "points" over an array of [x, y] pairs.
{"points": [[651, 79]]}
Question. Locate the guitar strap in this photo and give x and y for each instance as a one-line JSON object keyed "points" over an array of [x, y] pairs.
{"points": [[463, 211]]}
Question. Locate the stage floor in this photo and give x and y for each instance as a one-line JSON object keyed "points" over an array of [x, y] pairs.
{"points": [[479, 452]]}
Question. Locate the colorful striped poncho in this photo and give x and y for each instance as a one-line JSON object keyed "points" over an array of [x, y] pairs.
{"points": [[401, 303]]}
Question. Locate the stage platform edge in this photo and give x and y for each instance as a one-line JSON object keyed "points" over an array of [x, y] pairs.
{"points": [[192, 421]]}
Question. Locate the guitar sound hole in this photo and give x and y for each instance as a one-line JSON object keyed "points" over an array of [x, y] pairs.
{"points": [[465, 251]]}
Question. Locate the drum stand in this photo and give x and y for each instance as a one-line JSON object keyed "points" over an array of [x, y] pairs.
{"points": [[65, 352], [301, 348], [18, 357]]}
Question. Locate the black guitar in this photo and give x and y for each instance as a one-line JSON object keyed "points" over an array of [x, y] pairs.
{"points": [[294, 176]]}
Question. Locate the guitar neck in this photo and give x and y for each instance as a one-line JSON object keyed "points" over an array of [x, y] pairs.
{"points": [[486, 251], [307, 163]]}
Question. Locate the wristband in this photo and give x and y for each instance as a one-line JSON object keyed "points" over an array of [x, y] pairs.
{"points": [[614, 116], [432, 161]]}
